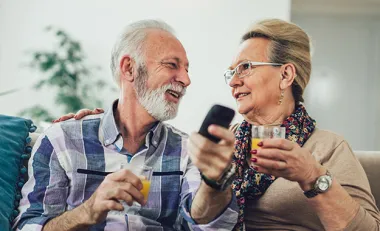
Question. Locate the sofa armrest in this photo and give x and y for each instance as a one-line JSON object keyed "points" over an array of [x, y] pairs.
{"points": [[370, 160]]}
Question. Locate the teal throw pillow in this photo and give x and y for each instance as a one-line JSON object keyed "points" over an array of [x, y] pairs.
{"points": [[14, 151]]}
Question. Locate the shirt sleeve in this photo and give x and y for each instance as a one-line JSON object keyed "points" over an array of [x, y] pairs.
{"points": [[45, 193], [191, 181], [347, 170]]}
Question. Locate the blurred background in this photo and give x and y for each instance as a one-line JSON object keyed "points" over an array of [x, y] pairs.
{"points": [[55, 55]]}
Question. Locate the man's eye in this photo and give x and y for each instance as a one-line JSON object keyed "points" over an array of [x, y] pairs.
{"points": [[172, 65]]}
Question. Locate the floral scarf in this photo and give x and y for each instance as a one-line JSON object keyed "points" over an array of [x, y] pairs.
{"points": [[250, 184]]}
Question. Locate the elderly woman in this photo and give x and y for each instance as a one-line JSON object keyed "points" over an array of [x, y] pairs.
{"points": [[309, 181]]}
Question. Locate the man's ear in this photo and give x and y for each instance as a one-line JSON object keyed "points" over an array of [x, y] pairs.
{"points": [[126, 68], [288, 74]]}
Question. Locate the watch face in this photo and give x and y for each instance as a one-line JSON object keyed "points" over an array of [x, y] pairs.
{"points": [[323, 184]]}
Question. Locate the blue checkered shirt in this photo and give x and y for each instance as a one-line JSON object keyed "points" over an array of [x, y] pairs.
{"points": [[94, 143]]}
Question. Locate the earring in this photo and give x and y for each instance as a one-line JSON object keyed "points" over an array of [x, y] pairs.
{"points": [[281, 97]]}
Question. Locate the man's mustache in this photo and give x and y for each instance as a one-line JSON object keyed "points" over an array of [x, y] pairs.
{"points": [[175, 87]]}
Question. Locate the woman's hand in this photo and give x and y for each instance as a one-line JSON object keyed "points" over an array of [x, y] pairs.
{"points": [[79, 115], [284, 158]]}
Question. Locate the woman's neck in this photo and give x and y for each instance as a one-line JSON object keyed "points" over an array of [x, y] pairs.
{"points": [[272, 116]]}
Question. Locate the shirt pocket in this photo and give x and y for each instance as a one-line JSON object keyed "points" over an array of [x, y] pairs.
{"points": [[92, 183]]}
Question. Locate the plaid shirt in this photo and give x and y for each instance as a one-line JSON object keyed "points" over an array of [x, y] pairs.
{"points": [[94, 143]]}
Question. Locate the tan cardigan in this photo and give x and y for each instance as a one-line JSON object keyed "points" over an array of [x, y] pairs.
{"points": [[284, 207]]}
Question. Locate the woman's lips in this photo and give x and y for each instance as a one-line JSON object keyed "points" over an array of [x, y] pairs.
{"points": [[241, 96]]}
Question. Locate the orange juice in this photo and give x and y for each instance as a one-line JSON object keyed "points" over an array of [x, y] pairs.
{"points": [[254, 143], [145, 189]]}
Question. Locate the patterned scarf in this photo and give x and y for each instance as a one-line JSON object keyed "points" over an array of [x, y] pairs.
{"points": [[249, 184]]}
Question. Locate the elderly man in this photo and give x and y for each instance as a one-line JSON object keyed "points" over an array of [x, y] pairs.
{"points": [[150, 66]]}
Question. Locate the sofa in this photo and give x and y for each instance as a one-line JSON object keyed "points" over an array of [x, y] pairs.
{"points": [[17, 137], [370, 160]]}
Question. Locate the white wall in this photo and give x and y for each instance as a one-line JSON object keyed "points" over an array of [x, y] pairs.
{"points": [[343, 94], [210, 31]]}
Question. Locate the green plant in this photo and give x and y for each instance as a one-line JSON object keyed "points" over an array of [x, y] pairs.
{"points": [[65, 69]]}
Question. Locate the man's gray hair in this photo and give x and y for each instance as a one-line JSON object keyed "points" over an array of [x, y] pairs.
{"points": [[131, 42]]}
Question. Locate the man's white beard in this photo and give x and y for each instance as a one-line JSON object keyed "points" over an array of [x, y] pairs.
{"points": [[154, 100]]}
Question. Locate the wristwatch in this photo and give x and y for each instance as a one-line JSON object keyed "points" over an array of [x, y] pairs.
{"points": [[322, 184], [224, 182]]}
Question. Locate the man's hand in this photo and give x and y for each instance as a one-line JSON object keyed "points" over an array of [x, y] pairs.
{"points": [[121, 185], [212, 159], [79, 115]]}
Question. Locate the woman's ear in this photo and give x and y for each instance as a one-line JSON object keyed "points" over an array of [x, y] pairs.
{"points": [[288, 74], [126, 68]]}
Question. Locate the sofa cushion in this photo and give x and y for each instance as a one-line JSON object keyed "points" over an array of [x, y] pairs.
{"points": [[14, 151], [370, 160]]}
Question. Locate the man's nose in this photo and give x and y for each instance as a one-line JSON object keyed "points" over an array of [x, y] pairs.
{"points": [[183, 77]]}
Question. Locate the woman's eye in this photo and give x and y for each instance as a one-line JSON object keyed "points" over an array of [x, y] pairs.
{"points": [[245, 66]]}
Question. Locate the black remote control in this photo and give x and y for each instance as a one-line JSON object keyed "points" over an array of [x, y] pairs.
{"points": [[218, 115]]}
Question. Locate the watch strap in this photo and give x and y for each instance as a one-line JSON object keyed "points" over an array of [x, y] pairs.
{"points": [[311, 193], [212, 183], [223, 182]]}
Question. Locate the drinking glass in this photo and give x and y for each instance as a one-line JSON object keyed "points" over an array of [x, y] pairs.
{"points": [[144, 172], [262, 132]]}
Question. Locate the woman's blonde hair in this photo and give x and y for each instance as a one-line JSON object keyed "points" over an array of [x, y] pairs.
{"points": [[289, 44]]}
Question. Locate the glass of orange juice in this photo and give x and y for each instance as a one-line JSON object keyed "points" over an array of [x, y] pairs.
{"points": [[145, 173], [262, 132]]}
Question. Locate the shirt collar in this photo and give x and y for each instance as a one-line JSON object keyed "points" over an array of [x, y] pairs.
{"points": [[155, 134], [113, 136], [111, 132]]}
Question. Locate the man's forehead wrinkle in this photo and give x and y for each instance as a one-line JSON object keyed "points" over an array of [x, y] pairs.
{"points": [[162, 46]]}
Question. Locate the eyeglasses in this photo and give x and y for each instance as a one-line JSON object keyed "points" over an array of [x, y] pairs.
{"points": [[244, 69]]}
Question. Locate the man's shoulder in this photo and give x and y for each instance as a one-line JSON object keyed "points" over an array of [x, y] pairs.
{"points": [[73, 128]]}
